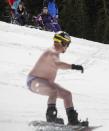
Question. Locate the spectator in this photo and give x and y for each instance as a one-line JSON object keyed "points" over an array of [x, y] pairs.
{"points": [[14, 5], [21, 15], [48, 21], [52, 7]]}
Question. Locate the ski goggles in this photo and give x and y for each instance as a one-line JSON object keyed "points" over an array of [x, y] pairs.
{"points": [[63, 41]]}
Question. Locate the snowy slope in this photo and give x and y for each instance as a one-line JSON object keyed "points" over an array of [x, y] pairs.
{"points": [[20, 47]]}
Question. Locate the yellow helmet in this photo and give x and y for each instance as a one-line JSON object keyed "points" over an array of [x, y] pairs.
{"points": [[63, 38]]}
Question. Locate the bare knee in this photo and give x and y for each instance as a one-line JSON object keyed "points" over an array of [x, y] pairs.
{"points": [[66, 95]]}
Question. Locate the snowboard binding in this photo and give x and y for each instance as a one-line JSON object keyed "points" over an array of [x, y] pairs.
{"points": [[73, 118], [51, 115]]}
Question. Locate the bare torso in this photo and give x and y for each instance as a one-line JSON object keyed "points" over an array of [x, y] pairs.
{"points": [[46, 67]]}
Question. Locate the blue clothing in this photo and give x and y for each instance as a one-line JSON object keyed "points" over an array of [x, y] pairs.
{"points": [[49, 23], [54, 27], [15, 5], [47, 18], [52, 8]]}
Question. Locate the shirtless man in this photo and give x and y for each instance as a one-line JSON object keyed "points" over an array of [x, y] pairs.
{"points": [[41, 79]]}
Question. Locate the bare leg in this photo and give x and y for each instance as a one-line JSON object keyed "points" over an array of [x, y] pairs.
{"points": [[43, 87], [53, 90], [65, 95]]}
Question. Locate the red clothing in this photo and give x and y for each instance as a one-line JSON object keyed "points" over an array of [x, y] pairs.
{"points": [[11, 2]]}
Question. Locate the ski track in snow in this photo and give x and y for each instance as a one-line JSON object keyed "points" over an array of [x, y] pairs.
{"points": [[20, 47]]}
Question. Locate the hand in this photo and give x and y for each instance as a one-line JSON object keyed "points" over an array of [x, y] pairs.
{"points": [[78, 67]]}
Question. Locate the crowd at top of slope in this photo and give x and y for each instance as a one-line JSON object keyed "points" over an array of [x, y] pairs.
{"points": [[46, 20]]}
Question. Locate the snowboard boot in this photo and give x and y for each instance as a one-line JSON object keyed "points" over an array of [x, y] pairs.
{"points": [[51, 115], [73, 118]]}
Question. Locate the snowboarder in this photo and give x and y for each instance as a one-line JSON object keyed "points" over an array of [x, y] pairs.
{"points": [[41, 79]]}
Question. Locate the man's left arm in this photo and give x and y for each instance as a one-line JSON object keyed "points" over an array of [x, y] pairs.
{"points": [[65, 66], [62, 65]]}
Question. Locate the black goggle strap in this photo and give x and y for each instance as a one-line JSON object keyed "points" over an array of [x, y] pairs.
{"points": [[65, 43]]}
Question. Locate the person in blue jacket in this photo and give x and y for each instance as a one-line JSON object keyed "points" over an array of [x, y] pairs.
{"points": [[52, 7], [14, 5]]}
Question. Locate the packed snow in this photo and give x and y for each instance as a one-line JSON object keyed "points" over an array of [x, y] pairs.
{"points": [[20, 48]]}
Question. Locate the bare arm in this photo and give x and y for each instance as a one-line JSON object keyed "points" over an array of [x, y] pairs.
{"points": [[63, 65], [59, 64]]}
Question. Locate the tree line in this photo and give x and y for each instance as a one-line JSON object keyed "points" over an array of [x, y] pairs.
{"points": [[87, 19]]}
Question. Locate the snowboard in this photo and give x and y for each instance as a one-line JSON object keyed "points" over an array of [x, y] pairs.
{"points": [[48, 126]]}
